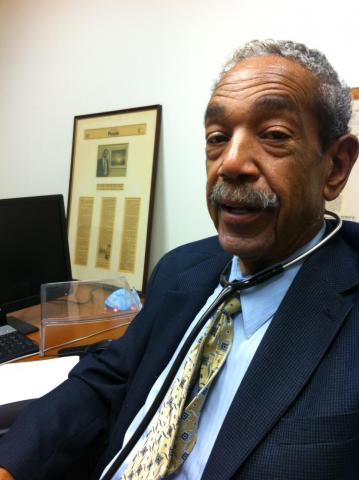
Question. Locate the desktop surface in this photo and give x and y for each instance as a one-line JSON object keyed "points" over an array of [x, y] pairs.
{"points": [[32, 315]]}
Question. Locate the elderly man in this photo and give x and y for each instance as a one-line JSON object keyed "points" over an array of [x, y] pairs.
{"points": [[268, 386]]}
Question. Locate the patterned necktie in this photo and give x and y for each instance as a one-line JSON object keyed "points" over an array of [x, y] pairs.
{"points": [[172, 432]]}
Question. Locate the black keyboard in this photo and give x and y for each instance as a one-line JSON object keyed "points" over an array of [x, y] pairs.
{"points": [[14, 344]]}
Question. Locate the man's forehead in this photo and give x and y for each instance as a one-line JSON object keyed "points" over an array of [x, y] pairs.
{"points": [[274, 83], [272, 103]]}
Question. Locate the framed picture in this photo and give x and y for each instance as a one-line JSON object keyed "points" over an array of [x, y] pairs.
{"points": [[113, 171], [346, 205]]}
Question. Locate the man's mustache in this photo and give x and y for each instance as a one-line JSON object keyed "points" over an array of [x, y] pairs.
{"points": [[244, 195]]}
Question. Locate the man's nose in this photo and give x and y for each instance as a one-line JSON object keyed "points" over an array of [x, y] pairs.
{"points": [[239, 159]]}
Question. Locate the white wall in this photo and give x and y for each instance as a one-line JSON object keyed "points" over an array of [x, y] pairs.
{"points": [[61, 58]]}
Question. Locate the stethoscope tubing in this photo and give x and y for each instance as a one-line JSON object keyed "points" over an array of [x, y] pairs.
{"points": [[268, 273], [228, 289]]}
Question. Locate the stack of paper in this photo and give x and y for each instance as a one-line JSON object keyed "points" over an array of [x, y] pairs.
{"points": [[20, 381]]}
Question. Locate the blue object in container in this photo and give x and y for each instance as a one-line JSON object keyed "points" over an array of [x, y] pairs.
{"points": [[123, 299]]}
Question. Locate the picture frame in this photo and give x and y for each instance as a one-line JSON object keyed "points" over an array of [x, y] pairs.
{"points": [[346, 204], [111, 193]]}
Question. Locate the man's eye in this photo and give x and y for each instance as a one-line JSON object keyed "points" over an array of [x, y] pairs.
{"points": [[216, 138], [276, 135]]}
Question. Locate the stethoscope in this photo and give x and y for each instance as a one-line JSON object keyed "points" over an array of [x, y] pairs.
{"points": [[268, 273], [227, 290]]}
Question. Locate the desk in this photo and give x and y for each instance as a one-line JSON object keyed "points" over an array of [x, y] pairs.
{"points": [[33, 315]]}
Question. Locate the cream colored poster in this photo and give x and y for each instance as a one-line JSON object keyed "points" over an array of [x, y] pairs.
{"points": [[347, 204], [111, 193]]}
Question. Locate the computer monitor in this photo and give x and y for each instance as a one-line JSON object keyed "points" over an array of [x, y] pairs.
{"points": [[33, 250]]}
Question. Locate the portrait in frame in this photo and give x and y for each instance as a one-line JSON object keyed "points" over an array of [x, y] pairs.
{"points": [[111, 193]]}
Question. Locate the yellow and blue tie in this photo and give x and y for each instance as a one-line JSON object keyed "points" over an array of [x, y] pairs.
{"points": [[172, 432]]}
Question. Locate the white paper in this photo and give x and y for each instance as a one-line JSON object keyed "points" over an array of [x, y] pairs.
{"points": [[20, 381]]}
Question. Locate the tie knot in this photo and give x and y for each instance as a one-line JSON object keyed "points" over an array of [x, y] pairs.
{"points": [[233, 305]]}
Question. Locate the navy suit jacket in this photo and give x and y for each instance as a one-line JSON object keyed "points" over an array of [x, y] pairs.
{"points": [[295, 415]]}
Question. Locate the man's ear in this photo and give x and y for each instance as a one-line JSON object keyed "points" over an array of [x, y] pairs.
{"points": [[342, 155]]}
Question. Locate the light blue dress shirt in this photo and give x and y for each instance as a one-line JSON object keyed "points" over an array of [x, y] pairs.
{"points": [[259, 304]]}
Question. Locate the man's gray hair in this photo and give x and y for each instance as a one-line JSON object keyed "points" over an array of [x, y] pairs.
{"points": [[332, 101]]}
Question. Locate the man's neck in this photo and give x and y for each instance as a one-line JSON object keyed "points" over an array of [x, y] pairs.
{"points": [[249, 268]]}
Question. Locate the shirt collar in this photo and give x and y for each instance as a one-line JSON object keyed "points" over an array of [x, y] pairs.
{"points": [[260, 302]]}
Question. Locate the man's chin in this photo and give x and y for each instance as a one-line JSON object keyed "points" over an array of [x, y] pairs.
{"points": [[235, 244], [251, 251]]}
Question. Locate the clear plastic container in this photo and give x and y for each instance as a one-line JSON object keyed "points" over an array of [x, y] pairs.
{"points": [[84, 312]]}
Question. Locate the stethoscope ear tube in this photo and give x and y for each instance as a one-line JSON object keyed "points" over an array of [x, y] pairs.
{"points": [[228, 289], [268, 273]]}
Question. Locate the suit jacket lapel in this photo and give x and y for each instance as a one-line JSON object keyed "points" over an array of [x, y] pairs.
{"points": [[195, 285], [176, 310], [179, 307], [298, 337]]}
